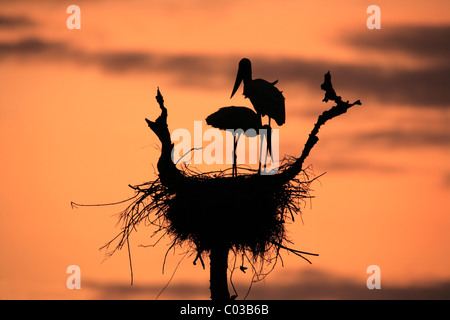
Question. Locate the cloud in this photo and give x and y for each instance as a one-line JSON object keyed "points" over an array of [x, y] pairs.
{"points": [[358, 165], [322, 285], [424, 41], [416, 88], [446, 180], [420, 87], [33, 47], [12, 22], [399, 138], [304, 285], [405, 87], [114, 291], [423, 86], [185, 69], [190, 70]]}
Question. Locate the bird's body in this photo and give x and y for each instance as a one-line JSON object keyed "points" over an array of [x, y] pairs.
{"points": [[264, 96], [266, 99], [234, 118]]}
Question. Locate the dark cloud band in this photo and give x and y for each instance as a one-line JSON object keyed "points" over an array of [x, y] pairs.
{"points": [[417, 87], [303, 285], [12, 22], [429, 42]]}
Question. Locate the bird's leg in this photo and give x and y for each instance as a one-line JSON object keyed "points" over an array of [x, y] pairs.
{"points": [[269, 136], [260, 150], [234, 156], [259, 158], [236, 141], [269, 143]]}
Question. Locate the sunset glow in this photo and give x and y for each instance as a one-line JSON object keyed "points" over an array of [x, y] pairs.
{"points": [[72, 110]]}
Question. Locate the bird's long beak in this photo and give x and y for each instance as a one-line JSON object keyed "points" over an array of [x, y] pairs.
{"points": [[237, 83]]}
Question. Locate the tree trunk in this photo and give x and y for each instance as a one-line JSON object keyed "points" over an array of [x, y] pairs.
{"points": [[218, 273]]}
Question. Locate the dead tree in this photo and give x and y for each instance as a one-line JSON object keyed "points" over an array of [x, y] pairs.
{"points": [[219, 243], [214, 213]]}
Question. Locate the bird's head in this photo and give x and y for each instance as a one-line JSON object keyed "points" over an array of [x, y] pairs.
{"points": [[244, 74]]}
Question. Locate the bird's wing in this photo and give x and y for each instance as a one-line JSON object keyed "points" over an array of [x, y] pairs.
{"points": [[267, 100], [234, 118]]}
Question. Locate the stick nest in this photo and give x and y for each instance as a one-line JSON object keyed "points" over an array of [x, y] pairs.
{"points": [[248, 212]]}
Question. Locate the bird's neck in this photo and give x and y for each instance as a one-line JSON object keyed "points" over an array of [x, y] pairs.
{"points": [[247, 76]]}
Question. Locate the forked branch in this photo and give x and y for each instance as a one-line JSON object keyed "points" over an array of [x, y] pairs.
{"points": [[341, 107]]}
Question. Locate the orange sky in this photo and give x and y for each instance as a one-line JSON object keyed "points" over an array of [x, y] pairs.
{"points": [[72, 109]]}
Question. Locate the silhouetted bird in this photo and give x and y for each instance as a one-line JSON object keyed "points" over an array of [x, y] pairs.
{"points": [[264, 96], [234, 118]]}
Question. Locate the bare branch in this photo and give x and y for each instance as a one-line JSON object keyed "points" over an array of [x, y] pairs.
{"points": [[340, 108], [169, 175]]}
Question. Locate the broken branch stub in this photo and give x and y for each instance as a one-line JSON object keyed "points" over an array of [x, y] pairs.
{"points": [[170, 176], [341, 107]]}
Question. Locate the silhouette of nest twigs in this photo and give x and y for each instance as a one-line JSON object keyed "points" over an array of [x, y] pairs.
{"points": [[248, 212]]}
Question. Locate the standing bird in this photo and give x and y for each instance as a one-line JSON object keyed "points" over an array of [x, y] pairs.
{"points": [[264, 96], [234, 118]]}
